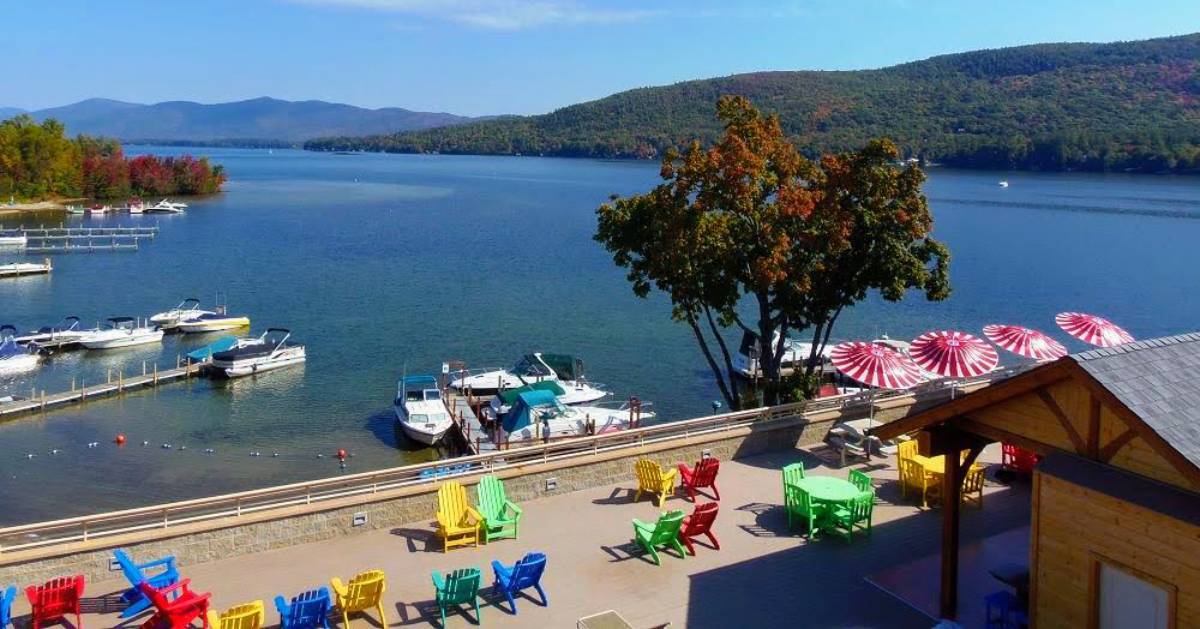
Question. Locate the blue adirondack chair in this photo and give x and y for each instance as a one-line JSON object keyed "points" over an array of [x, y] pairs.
{"points": [[6, 601], [308, 610], [526, 573], [135, 601]]}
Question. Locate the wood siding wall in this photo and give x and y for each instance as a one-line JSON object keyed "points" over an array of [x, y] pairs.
{"points": [[1074, 527]]}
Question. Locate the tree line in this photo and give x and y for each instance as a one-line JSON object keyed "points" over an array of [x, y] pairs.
{"points": [[38, 161]]}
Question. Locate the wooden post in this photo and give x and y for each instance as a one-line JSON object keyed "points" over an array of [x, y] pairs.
{"points": [[951, 499], [156, 374]]}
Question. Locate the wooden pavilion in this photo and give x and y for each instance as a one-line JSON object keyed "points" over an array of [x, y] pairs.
{"points": [[1116, 497]]}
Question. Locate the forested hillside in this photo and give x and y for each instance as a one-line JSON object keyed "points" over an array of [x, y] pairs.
{"points": [[1130, 106]]}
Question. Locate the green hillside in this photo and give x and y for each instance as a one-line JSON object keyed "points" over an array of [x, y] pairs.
{"points": [[1125, 106]]}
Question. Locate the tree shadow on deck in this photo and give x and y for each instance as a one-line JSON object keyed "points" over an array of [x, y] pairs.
{"points": [[769, 520]]}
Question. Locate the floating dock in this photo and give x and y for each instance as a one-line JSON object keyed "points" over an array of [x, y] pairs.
{"points": [[149, 378], [42, 232], [25, 268], [84, 239], [466, 421], [90, 247]]}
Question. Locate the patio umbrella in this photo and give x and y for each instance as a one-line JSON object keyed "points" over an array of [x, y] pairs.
{"points": [[1092, 329], [1025, 342], [875, 365], [953, 354]]}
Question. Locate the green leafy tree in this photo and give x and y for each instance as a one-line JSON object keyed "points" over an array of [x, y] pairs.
{"points": [[748, 234]]}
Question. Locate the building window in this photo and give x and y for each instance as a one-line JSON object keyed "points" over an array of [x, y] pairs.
{"points": [[1127, 599]]}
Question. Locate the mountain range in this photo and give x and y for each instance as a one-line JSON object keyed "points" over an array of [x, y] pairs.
{"points": [[1132, 106], [259, 119]]}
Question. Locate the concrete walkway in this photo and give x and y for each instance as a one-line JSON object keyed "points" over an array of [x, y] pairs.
{"points": [[763, 576]]}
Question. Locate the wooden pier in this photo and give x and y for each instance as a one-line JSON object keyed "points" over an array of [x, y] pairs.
{"points": [[84, 239], [90, 247], [42, 232], [25, 268], [466, 421], [150, 377]]}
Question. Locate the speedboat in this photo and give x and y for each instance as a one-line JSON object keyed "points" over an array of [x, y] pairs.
{"points": [[536, 367], [538, 415], [251, 356], [99, 209], [581, 393], [186, 310], [121, 332], [64, 332], [135, 206], [15, 358], [167, 207], [1003, 183], [75, 209], [212, 322], [795, 353], [420, 410], [13, 239]]}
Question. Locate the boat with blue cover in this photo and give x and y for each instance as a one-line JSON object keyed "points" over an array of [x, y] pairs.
{"points": [[15, 358], [538, 415], [270, 351], [205, 354]]}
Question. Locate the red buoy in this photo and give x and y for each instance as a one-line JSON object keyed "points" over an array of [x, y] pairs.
{"points": [[341, 454], [120, 440]]}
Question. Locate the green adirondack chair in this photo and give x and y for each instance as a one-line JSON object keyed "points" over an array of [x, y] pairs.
{"points": [[500, 515], [664, 532], [854, 514], [860, 480], [458, 587], [791, 473]]}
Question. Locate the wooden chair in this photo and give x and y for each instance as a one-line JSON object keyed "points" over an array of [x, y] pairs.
{"points": [[907, 449], [308, 610], [54, 600], [664, 532], [246, 616], [176, 606], [805, 510], [160, 573], [526, 573], [972, 490], [363, 592], [458, 522], [1017, 460], [701, 476], [501, 516], [700, 522], [855, 514], [6, 600], [792, 473], [652, 479], [860, 480], [454, 589]]}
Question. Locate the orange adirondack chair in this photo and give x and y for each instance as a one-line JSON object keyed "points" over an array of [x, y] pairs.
{"points": [[703, 475], [700, 523], [54, 599], [651, 478]]}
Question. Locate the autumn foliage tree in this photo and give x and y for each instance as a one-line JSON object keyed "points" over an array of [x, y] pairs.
{"points": [[747, 234]]}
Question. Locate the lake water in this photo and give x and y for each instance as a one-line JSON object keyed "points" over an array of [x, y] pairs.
{"points": [[383, 264]]}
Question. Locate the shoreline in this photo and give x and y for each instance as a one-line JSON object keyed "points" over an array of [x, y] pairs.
{"points": [[39, 206]]}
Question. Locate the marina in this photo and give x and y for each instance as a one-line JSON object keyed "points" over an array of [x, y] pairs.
{"points": [[19, 269]]}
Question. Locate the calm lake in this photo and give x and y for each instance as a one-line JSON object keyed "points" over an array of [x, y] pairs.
{"points": [[383, 264]]}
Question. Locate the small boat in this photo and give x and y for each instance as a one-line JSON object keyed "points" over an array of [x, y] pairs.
{"points": [[13, 239], [186, 310], [99, 209], [167, 207], [250, 356], [205, 354], [15, 358], [64, 332], [75, 209], [212, 322], [135, 206], [536, 367], [502, 402], [1003, 183], [121, 332], [420, 410], [795, 353], [538, 415]]}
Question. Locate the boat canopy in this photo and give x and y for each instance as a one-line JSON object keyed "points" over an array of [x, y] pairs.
{"points": [[566, 366], [509, 396], [521, 414], [223, 344]]}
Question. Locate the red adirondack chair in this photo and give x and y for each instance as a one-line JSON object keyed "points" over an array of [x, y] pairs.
{"points": [[178, 613], [703, 475], [1017, 460], [699, 523], [54, 599]]}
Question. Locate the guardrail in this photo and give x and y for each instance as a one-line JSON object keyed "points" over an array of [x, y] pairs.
{"points": [[166, 516]]}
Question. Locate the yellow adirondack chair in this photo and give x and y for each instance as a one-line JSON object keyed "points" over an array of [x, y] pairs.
{"points": [[245, 616], [651, 478], [906, 449], [458, 521], [972, 490], [363, 592]]}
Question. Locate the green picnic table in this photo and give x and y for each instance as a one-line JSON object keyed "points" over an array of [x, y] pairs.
{"points": [[829, 490]]}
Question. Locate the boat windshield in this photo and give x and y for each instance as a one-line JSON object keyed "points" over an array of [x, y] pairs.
{"points": [[432, 395], [530, 365], [413, 396]]}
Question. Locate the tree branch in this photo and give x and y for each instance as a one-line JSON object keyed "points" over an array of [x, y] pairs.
{"points": [[737, 397]]}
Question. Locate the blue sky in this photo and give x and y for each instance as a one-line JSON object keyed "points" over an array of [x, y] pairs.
{"points": [[501, 56]]}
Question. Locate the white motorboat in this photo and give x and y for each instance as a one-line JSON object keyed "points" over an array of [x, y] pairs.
{"points": [[15, 358], [420, 410], [186, 310], [64, 332], [581, 393], [13, 239], [99, 209], [135, 206], [167, 207], [75, 209], [538, 415], [269, 351], [795, 353], [1003, 183], [212, 322], [121, 332], [536, 367]]}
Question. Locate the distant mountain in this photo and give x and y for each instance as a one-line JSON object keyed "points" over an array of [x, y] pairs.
{"points": [[260, 119], [1123, 106], [9, 112]]}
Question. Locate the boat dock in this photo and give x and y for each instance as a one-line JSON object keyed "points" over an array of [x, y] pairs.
{"points": [[150, 377], [84, 239], [466, 421], [25, 268], [43, 233]]}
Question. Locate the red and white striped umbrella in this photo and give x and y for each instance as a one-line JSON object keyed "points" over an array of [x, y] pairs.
{"points": [[1092, 329], [875, 365], [953, 354], [1025, 342]]}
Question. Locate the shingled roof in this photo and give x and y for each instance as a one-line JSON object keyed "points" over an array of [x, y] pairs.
{"points": [[1157, 379]]}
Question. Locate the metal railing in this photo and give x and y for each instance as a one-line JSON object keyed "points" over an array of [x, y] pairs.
{"points": [[166, 516]]}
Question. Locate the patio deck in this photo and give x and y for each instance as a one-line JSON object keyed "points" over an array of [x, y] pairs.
{"points": [[763, 575]]}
